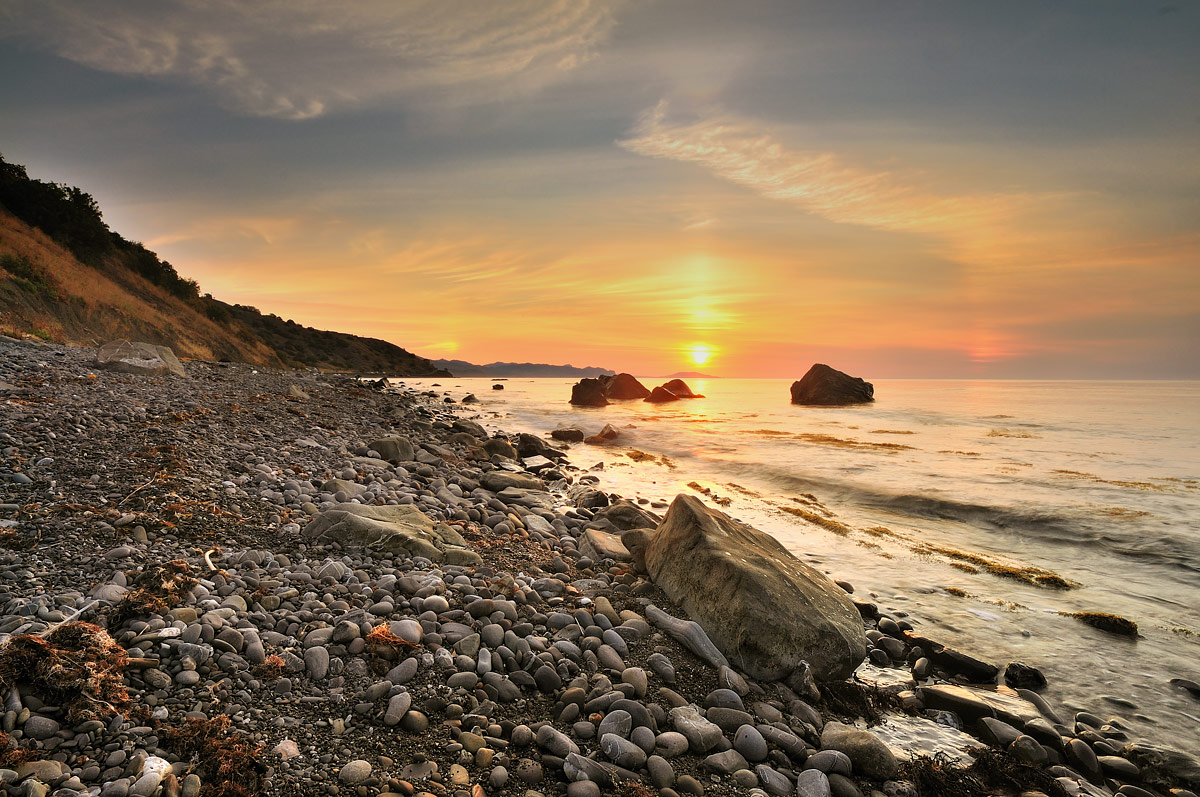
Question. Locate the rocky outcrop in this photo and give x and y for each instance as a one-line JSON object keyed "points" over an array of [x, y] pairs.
{"points": [[660, 395], [589, 393], [625, 386], [146, 359], [680, 389], [827, 387], [764, 609], [395, 529], [671, 391], [568, 435], [605, 435]]}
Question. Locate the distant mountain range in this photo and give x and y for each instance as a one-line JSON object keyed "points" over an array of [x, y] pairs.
{"points": [[464, 368], [66, 277]]}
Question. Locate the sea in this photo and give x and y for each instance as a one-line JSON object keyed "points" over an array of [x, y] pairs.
{"points": [[983, 512]]}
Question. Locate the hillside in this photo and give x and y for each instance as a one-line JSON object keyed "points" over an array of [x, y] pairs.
{"points": [[464, 368], [65, 276]]}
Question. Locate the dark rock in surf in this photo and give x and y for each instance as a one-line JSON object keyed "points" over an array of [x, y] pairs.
{"points": [[733, 580], [605, 435], [589, 393], [625, 386], [1020, 675], [568, 435], [825, 386], [660, 395], [680, 389], [497, 387]]}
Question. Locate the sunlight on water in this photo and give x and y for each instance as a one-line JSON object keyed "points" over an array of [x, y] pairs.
{"points": [[958, 504]]}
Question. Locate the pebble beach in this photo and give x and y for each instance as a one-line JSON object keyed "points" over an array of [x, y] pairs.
{"points": [[190, 607]]}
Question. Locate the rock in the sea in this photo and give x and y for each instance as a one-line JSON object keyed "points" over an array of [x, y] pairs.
{"points": [[394, 528], [1020, 675], [680, 389], [568, 435], [766, 610], [660, 395], [138, 358], [605, 435], [827, 386], [625, 386], [589, 393]]}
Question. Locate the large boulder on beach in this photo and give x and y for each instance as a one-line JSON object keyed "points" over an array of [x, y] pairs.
{"points": [[146, 359], [625, 386], [825, 386], [394, 448], [395, 529], [765, 609], [589, 393]]}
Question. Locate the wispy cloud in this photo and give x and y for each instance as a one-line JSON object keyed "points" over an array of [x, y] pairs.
{"points": [[298, 59], [821, 183]]}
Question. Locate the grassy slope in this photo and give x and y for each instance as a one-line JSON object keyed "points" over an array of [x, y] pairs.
{"points": [[67, 301]]}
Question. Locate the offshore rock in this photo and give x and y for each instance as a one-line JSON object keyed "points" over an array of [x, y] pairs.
{"points": [[825, 386], [589, 393], [625, 386], [764, 609]]}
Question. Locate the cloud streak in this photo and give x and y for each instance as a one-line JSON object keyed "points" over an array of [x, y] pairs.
{"points": [[299, 59], [820, 183]]}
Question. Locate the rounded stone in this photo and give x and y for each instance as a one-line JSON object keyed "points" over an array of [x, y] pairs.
{"points": [[355, 772]]}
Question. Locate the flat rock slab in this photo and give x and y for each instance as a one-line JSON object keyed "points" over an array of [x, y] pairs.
{"points": [[602, 545], [146, 359], [973, 704], [394, 528]]}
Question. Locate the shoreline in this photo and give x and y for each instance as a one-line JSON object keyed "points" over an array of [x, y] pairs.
{"points": [[278, 636]]}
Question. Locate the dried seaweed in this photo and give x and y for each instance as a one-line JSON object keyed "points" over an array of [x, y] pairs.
{"points": [[993, 772], [226, 761], [1112, 623], [154, 591], [77, 665]]}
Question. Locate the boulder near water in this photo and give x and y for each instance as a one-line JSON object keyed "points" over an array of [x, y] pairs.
{"points": [[625, 386], [765, 609], [589, 393], [138, 358], [825, 386]]}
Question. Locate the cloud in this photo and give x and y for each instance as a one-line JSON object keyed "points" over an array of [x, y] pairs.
{"points": [[299, 59], [821, 183]]}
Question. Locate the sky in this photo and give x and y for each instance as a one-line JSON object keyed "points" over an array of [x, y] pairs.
{"points": [[963, 189]]}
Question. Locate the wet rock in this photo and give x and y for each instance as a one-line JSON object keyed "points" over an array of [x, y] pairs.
{"points": [[867, 753], [589, 393], [825, 386]]}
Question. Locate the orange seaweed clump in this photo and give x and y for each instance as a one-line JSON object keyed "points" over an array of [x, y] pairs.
{"points": [[271, 668], [226, 761], [77, 665], [380, 639]]}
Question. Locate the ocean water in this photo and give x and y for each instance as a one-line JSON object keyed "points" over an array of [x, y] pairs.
{"points": [[956, 504]]}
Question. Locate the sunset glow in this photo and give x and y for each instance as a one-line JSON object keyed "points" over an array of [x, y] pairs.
{"points": [[598, 183]]}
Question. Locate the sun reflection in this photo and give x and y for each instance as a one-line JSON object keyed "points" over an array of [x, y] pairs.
{"points": [[699, 353]]}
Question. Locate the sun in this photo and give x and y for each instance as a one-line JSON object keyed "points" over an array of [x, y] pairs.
{"points": [[699, 353]]}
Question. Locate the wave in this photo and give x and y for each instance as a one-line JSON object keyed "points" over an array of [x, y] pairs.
{"points": [[1076, 527]]}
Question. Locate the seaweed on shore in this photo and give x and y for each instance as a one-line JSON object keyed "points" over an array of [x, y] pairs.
{"points": [[829, 524], [853, 699], [77, 665], [154, 591], [1112, 623], [993, 772], [226, 761]]}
